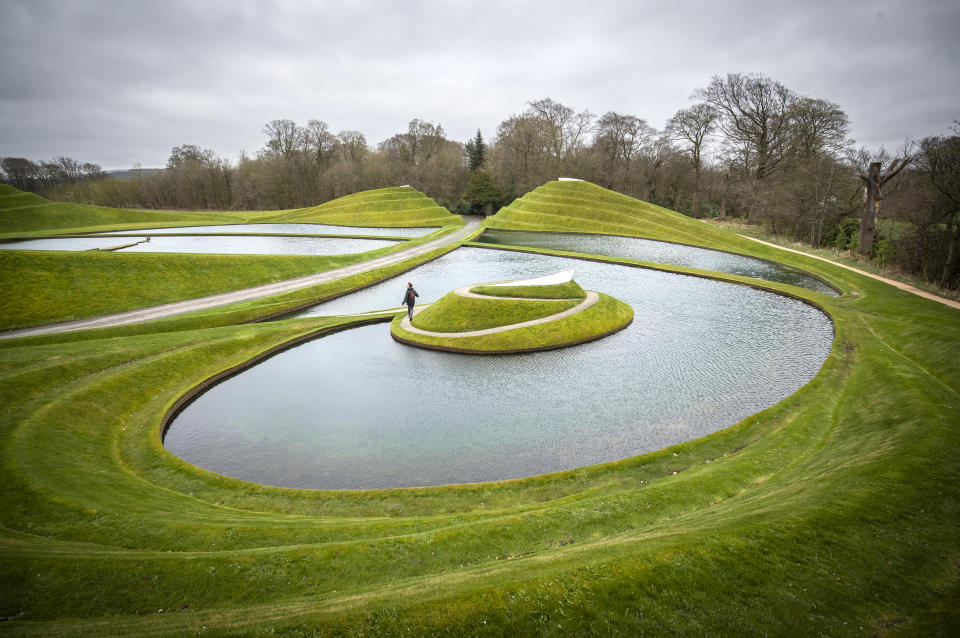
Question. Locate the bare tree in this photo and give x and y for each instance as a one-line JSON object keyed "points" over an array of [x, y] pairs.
{"points": [[619, 138], [874, 179], [565, 129], [939, 160], [754, 115], [692, 126]]}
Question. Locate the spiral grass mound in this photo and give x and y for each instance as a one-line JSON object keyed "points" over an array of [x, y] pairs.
{"points": [[514, 316]]}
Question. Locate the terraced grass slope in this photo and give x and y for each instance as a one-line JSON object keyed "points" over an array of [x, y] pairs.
{"points": [[488, 319], [584, 207], [25, 214], [835, 510], [397, 206]]}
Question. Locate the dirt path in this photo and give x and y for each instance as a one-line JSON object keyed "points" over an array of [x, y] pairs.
{"points": [[247, 294], [895, 284]]}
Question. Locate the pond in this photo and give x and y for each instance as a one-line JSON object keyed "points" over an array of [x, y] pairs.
{"points": [[358, 410], [219, 244], [282, 229], [659, 252]]}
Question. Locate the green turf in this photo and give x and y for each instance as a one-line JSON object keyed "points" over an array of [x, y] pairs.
{"points": [[453, 313], [398, 206], [833, 513], [608, 315], [568, 290]]}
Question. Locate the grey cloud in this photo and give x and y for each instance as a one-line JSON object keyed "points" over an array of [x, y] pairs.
{"points": [[123, 82]]}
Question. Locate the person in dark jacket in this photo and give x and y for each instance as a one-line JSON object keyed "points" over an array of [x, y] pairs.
{"points": [[410, 298]]}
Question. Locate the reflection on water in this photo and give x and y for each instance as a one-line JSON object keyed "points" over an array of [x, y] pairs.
{"points": [[659, 252], [218, 244], [289, 229], [358, 410]]}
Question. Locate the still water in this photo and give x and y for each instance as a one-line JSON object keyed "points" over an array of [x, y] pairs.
{"points": [[358, 410], [218, 244], [659, 252], [283, 229]]}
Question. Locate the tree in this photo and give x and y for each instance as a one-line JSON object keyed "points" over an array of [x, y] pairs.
{"points": [[186, 154], [482, 193], [874, 180], [939, 160], [20, 173], [692, 126], [754, 116], [284, 137], [618, 141], [476, 152], [564, 129]]}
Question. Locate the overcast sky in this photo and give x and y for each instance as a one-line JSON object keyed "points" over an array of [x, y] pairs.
{"points": [[121, 82]]}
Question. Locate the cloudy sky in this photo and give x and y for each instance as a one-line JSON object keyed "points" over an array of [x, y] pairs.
{"points": [[121, 82]]}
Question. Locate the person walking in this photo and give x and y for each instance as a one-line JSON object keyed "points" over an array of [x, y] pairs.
{"points": [[410, 298]]}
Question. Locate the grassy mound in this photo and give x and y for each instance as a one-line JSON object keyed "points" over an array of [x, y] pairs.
{"points": [[833, 510], [584, 207], [398, 206], [568, 290], [25, 214], [467, 310]]}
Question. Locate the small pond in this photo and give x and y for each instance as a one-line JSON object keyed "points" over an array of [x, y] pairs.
{"points": [[219, 244], [358, 410], [659, 252], [282, 229]]}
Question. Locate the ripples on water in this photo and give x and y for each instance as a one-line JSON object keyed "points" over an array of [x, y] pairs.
{"points": [[358, 410], [214, 244], [659, 252], [292, 229]]}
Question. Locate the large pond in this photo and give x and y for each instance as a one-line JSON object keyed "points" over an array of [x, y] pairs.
{"points": [[219, 244], [358, 410], [282, 229], [660, 252]]}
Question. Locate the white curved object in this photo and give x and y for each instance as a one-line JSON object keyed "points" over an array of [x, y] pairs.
{"points": [[561, 277]]}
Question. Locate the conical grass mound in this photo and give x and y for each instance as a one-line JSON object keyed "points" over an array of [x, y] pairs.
{"points": [[397, 206], [517, 316], [584, 207]]}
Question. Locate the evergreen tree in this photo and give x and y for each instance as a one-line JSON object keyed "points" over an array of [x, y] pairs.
{"points": [[476, 152], [482, 193]]}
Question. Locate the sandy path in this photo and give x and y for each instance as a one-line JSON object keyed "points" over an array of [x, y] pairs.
{"points": [[895, 284], [247, 294]]}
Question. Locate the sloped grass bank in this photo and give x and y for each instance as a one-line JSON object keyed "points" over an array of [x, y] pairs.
{"points": [[398, 206], [836, 509]]}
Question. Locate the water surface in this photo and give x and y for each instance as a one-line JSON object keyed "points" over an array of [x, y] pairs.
{"points": [[283, 229], [358, 410], [218, 244], [659, 252]]}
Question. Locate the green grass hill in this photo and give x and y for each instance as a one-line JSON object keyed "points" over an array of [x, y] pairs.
{"points": [[398, 206], [484, 308], [584, 207]]}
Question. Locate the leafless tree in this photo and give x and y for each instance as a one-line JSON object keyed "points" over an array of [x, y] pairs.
{"points": [[691, 126]]}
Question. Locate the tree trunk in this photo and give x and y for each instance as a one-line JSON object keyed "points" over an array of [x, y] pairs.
{"points": [[695, 204], [950, 266], [871, 209]]}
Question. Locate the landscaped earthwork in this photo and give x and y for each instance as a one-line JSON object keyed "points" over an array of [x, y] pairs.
{"points": [[831, 511]]}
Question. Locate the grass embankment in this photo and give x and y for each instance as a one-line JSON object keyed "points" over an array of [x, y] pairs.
{"points": [[43, 287], [836, 509], [398, 206], [28, 215], [456, 313], [568, 290]]}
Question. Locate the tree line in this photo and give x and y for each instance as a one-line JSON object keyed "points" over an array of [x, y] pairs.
{"points": [[747, 147]]}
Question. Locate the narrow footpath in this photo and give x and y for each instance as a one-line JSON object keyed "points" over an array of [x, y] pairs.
{"points": [[892, 282], [247, 294]]}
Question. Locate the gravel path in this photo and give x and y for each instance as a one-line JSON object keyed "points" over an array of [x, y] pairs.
{"points": [[895, 284], [247, 294]]}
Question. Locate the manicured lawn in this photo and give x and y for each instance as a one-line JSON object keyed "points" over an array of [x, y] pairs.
{"points": [[834, 510]]}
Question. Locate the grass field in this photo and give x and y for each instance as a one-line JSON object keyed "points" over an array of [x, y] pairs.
{"points": [[42, 287], [835, 512]]}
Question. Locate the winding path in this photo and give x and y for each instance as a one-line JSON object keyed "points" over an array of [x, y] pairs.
{"points": [[248, 294], [591, 298]]}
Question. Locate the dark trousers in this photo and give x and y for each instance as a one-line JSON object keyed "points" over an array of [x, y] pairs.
{"points": [[410, 310]]}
